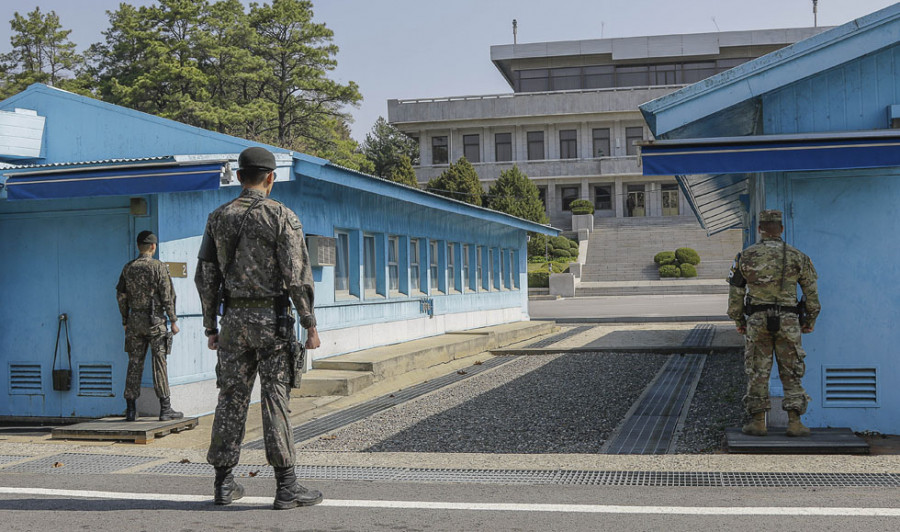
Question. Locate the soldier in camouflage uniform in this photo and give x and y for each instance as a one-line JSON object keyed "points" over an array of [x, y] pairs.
{"points": [[146, 296], [252, 252], [763, 303]]}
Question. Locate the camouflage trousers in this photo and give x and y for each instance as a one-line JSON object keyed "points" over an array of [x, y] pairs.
{"points": [[789, 355], [247, 346], [140, 335]]}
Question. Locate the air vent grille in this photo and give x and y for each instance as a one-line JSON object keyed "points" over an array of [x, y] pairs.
{"points": [[845, 386], [25, 379], [95, 380]]}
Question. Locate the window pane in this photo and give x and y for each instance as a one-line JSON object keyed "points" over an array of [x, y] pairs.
{"points": [[369, 262], [603, 198], [503, 147], [433, 245], [632, 76], [439, 150], [466, 255], [633, 134], [533, 80], [393, 264], [599, 77], [568, 144], [566, 78], [568, 195], [479, 272], [414, 284], [535, 145], [451, 266], [472, 148], [601, 142], [341, 269], [490, 269]]}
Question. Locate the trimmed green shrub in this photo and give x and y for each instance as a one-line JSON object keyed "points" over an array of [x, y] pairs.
{"points": [[573, 245], [664, 257], [559, 242], [688, 270], [538, 280], [669, 270], [581, 206], [687, 256], [561, 253]]}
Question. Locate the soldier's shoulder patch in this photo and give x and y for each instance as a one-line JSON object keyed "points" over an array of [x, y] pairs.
{"points": [[294, 221]]}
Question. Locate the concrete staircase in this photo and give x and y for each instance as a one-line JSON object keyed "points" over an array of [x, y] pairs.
{"points": [[622, 249], [352, 372]]}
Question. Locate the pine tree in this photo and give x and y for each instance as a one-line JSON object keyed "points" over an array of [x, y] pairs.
{"points": [[403, 172], [514, 193], [385, 145], [459, 181]]}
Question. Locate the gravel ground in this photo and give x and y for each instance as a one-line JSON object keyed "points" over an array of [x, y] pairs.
{"points": [[565, 403], [716, 404]]}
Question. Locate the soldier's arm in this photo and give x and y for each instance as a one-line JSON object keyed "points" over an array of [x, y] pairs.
{"points": [[736, 291], [293, 259], [808, 283], [122, 297], [167, 292], [208, 278]]}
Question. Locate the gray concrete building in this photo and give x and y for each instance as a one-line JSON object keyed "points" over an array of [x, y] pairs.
{"points": [[572, 119]]}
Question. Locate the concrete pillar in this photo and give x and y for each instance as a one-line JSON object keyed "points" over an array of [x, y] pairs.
{"points": [[619, 198], [520, 145], [585, 189], [551, 142], [488, 153], [552, 203], [423, 148], [585, 141]]}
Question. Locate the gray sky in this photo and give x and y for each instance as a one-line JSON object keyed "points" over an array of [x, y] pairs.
{"points": [[430, 48]]}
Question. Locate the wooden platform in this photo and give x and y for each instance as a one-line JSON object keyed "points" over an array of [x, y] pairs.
{"points": [[821, 441], [143, 430]]}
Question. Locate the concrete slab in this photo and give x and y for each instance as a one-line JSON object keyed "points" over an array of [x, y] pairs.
{"points": [[821, 441]]}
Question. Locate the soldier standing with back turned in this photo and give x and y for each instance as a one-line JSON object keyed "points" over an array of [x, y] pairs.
{"points": [[252, 255], [763, 302], [146, 296]]}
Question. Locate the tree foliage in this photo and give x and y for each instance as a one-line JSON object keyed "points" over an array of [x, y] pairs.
{"points": [[514, 193], [459, 181], [404, 173], [41, 53], [386, 145]]}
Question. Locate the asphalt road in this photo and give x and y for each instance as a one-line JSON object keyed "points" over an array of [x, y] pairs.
{"points": [[156, 502], [611, 308]]}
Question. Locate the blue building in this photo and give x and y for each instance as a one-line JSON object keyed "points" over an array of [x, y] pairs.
{"points": [[80, 178], [812, 130]]}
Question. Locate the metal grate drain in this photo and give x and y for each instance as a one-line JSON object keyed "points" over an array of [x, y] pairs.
{"points": [[74, 463], [650, 427], [555, 477], [9, 458]]}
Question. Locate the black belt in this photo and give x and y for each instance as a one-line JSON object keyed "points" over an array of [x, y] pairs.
{"points": [[753, 309], [250, 302]]}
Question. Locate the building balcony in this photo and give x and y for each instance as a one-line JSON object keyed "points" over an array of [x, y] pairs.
{"points": [[490, 171]]}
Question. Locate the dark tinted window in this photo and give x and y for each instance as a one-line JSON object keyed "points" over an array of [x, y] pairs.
{"points": [[472, 148], [535, 145], [503, 147], [439, 150]]}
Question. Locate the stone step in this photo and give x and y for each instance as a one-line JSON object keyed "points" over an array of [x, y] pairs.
{"points": [[347, 374]]}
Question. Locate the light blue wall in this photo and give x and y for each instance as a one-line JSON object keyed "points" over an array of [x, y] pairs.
{"points": [[843, 221], [853, 96]]}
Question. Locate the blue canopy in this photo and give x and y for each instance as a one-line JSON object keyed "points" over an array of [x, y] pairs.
{"points": [[57, 182]]}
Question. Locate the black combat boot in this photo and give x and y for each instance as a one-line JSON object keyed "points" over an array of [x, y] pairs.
{"points": [[130, 409], [290, 494], [227, 489], [165, 410]]}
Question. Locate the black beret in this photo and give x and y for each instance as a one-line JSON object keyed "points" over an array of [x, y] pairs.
{"points": [[257, 157], [146, 237]]}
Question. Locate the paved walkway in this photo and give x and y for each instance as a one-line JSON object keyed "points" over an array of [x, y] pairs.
{"points": [[649, 308]]}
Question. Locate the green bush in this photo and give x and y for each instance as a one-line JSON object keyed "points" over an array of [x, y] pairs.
{"points": [[538, 279], [537, 245], [561, 253], [573, 245], [664, 257], [669, 270], [559, 242], [688, 270], [687, 256], [581, 206]]}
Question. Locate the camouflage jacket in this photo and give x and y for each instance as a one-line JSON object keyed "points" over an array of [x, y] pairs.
{"points": [[761, 266], [145, 285], [270, 257]]}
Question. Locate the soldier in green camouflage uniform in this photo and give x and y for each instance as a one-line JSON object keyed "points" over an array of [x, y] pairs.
{"points": [[763, 303], [253, 248], [146, 296]]}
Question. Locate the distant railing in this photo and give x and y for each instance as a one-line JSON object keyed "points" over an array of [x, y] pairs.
{"points": [[514, 94]]}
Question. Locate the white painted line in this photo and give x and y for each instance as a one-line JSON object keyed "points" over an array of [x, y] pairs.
{"points": [[810, 511]]}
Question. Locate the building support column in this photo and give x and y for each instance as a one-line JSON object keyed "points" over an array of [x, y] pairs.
{"points": [[619, 198]]}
